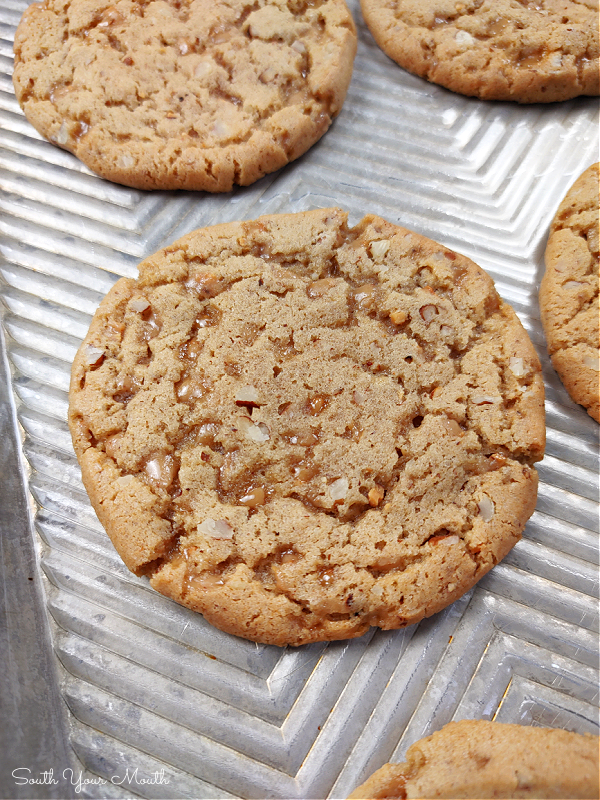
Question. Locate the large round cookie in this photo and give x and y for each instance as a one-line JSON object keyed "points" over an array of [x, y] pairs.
{"points": [[478, 759], [197, 94], [302, 430], [531, 52], [569, 292]]}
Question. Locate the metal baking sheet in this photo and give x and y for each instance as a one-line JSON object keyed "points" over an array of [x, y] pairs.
{"points": [[113, 691]]}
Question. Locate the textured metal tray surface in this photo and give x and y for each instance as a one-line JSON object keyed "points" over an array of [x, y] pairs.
{"points": [[104, 676]]}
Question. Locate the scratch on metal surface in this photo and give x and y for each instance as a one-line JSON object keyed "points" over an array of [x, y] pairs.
{"points": [[304, 665], [183, 630]]}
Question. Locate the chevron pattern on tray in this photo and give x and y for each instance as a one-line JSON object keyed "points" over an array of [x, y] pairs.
{"points": [[149, 684]]}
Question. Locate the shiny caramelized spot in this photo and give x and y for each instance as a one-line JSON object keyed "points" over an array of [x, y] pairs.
{"points": [[80, 129], [364, 296], [353, 432], [112, 444], [249, 333], [206, 433], [529, 58], [453, 427], [161, 470], [190, 388], [59, 91], [113, 331], [304, 471], [110, 16], [204, 581], [192, 349], [319, 288], [290, 556], [497, 461], [326, 577], [459, 273], [261, 251], [186, 45], [220, 35], [209, 315], [232, 368], [497, 26], [318, 403], [254, 226], [303, 439], [153, 325], [127, 386], [284, 350], [205, 285], [254, 496]]}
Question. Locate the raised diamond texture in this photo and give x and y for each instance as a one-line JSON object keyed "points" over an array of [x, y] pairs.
{"points": [[149, 684]]}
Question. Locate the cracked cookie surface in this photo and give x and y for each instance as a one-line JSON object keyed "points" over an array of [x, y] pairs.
{"points": [[302, 430], [185, 94], [569, 292], [531, 51], [479, 759]]}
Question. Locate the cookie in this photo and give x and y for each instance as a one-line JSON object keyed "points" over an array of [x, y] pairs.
{"points": [[531, 52], [199, 94], [301, 430], [478, 759], [569, 292]]}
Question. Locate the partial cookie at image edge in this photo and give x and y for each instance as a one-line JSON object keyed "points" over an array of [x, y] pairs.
{"points": [[493, 50], [481, 759], [569, 292]]}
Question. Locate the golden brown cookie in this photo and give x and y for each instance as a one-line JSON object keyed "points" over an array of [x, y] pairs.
{"points": [[569, 292], [198, 94], [302, 430], [478, 759], [531, 52]]}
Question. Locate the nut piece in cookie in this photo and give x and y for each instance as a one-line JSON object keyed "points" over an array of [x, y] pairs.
{"points": [[480, 759], [569, 292], [301, 430], [531, 52], [198, 94]]}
